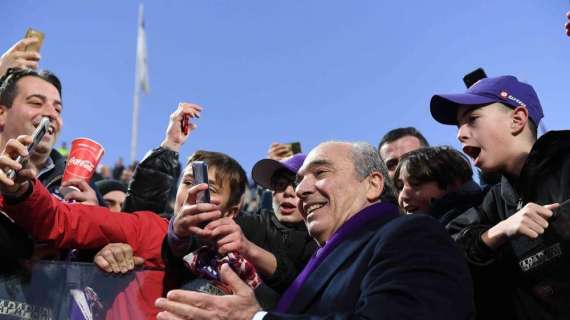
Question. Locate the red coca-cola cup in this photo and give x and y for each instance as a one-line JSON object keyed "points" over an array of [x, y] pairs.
{"points": [[82, 161]]}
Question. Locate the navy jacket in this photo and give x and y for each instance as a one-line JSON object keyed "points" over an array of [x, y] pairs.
{"points": [[396, 267]]}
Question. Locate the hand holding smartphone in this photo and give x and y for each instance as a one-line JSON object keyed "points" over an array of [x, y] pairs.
{"points": [[200, 173], [37, 136], [184, 124], [295, 147], [32, 33]]}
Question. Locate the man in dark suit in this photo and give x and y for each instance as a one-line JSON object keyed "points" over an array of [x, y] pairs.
{"points": [[373, 263]]}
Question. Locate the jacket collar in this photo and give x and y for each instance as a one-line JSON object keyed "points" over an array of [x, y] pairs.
{"points": [[544, 151], [356, 234]]}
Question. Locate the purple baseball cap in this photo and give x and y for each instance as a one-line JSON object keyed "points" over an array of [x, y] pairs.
{"points": [[264, 169], [507, 90]]}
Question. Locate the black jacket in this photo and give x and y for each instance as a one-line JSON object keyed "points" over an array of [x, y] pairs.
{"points": [[154, 178], [535, 272], [454, 203], [291, 244]]}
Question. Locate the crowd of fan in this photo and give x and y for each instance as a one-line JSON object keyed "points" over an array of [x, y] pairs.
{"points": [[347, 230]]}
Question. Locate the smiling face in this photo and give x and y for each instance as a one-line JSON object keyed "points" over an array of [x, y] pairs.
{"points": [[330, 190], [417, 196], [485, 135], [35, 98]]}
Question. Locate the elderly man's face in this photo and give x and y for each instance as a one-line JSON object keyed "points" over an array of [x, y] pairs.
{"points": [[329, 189]]}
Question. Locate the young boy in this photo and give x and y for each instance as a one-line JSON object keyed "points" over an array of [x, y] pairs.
{"points": [[520, 226], [436, 181]]}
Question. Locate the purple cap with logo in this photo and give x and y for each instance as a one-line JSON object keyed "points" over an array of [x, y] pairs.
{"points": [[264, 169], [507, 90]]}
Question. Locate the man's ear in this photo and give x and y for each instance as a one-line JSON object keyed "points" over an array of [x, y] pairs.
{"points": [[519, 119], [375, 186]]}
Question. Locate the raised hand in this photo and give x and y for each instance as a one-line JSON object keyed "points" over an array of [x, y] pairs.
{"points": [[174, 137], [18, 57]]}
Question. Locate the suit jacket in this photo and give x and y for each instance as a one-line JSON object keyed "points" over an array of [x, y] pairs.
{"points": [[394, 267]]}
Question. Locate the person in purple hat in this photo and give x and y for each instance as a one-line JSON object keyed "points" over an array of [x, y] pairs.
{"points": [[523, 225], [279, 177]]}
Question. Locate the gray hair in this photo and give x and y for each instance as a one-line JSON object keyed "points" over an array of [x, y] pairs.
{"points": [[367, 160]]}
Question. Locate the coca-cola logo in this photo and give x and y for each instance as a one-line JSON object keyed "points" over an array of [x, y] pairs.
{"points": [[85, 164]]}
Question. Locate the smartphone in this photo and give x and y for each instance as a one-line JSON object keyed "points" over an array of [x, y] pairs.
{"points": [[295, 147], [184, 124], [200, 173], [37, 136], [474, 76], [33, 33]]}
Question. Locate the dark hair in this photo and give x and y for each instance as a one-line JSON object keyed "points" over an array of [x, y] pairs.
{"points": [[9, 89], [443, 165], [227, 168], [398, 133]]}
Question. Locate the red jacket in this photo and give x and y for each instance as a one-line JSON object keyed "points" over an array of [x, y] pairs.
{"points": [[71, 225]]}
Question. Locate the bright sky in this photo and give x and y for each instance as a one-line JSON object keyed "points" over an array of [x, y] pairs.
{"points": [[285, 70]]}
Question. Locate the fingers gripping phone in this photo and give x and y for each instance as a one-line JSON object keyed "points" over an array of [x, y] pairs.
{"points": [[32, 33], [37, 136], [185, 125]]}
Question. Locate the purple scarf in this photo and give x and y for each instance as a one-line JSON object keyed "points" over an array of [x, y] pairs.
{"points": [[353, 224]]}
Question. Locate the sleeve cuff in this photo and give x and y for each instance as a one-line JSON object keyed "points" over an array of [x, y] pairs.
{"points": [[259, 315], [14, 200], [178, 246]]}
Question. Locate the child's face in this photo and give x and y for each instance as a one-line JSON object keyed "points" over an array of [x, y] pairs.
{"points": [[485, 135], [414, 196]]}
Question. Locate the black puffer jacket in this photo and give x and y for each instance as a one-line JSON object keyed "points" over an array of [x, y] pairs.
{"points": [[536, 272], [152, 182]]}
